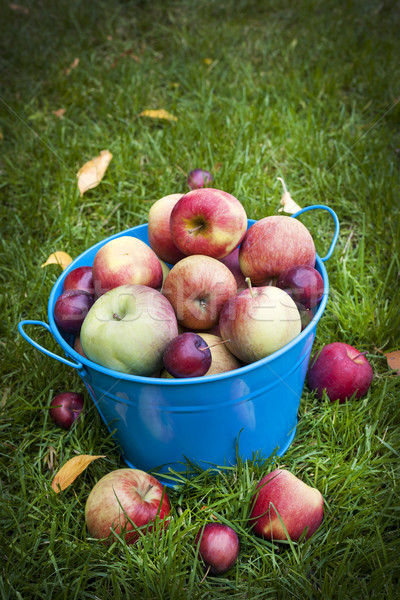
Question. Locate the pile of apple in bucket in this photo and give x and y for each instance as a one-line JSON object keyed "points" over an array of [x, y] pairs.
{"points": [[207, 295]]}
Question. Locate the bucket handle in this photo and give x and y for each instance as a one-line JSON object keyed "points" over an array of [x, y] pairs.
{"points": [[337, 226], [76, 365]]}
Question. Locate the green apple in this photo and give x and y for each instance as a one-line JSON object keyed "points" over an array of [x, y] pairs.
{"points": [[128, 329]]}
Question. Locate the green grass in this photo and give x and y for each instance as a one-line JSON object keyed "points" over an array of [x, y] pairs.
{"points": [[305, 91]]}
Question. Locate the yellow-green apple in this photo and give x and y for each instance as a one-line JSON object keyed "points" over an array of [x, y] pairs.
{"points": [[341, 370], [222, 359], [208, 221], [124, 501], [125, 260], [128, 329], [232, 262], [273, 245], [158, 230], [283, 506], [197, 287], [258, 321], [218, 547]]}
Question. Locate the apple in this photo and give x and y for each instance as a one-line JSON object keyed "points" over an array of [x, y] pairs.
{"points": [[273, 245], [304, 283], [158, 230], [232, 262], [187, 355], [80, 278], [165, 270], [208, 221], [71, 309], [258, 321], [66, 408], [218, 547], [128, 329], [199, 178], [78, 346], [123, 501], [341, 370], [197, 287], [284, 502], [222, 359], [125, 260]]}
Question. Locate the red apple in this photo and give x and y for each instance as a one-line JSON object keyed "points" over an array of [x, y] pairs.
{"points": [[273, 245], [197, 287], [259, 321], [199, 178], [70, 310], [159, 232], [66, 408], [187, 355], [79, 279], [78, 346], [125, 260], [232, 262], [219, 547], [341, 370], [123, 501], [283, 501], [303, 283], [208, 221]]}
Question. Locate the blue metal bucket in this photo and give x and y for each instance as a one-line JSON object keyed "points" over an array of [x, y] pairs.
{"points": [[161, 425]]}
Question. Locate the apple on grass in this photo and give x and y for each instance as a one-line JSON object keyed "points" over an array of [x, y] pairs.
{"points": [[259, 321], [273, 245], [66, 408], [208, 221], [218, 547], [158, 230], [199, 178], [197, 287], [341, 370], [125, 260], [80, 278], [128, 329], [283, 506], [124, 501]]}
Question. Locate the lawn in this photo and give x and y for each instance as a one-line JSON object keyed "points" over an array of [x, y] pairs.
{"points": [[306, 91]]}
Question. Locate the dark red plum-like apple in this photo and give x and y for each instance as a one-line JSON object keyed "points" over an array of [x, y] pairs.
{"points": [[71, 309], [219, 547], [208, 221], [187, 355], [199, 178], [80, 278], [123, 501], [232, 262], [305, 284], [283, 506], [66, 408], [341, 370], [273, 245]]}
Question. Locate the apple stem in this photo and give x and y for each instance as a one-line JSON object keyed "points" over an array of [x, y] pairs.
{"points": [[148, 489], [215, 344], [195, 228], [116, 317], [248, 281], [360, 354]]}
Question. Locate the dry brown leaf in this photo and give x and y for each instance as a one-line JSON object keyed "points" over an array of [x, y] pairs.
{"points": [[58, 258], [19, 8], [393, 359], [1, 135], [72, 66], [59, 113], [158, 114], [288, 204], [70, 471], [92, 172]]}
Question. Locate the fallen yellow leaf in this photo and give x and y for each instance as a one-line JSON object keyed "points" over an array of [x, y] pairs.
{"points": [[92, 172], [59, 113], [208, 61], [288, 204], [72, 66], [70, 471], [393, 359], [158, 114], [58, 258]]}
